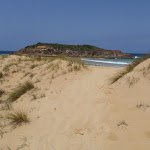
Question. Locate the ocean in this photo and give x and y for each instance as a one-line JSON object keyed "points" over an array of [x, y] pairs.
{"points": [[5, 52], [101, 61], [112, 62]]}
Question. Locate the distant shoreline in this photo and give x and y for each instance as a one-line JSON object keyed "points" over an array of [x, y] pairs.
{"points": [[6, 52]]}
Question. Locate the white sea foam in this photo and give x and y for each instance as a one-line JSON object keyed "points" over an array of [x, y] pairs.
{"points": [[135, 57], [107, 62]]}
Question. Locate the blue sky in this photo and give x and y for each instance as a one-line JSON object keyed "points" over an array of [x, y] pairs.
{"points": [[110, 24]]}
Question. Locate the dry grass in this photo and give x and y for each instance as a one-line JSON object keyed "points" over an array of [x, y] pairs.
{"points": [[33, 66], [34, 96], [50, 59], [127, 69], [31, 75], [27, 73], [6, 68], [1, 92], [122, 123], [42, 95], [18, 117], [19, 91], [1, 75], [76, 67], [6, 107], [132, 80], [117, 76], [142, 106]]}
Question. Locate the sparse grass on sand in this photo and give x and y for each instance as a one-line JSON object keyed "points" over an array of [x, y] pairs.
{"points": [[6, 68], [34, 96], [142, 105], [6, 107], [18, 117], [1, 92], [19, 91], [33, 66], [127, 69], [1, 75], [50, 59], [122, 123]]}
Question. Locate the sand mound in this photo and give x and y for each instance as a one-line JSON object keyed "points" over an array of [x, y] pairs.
{"points": [[140, 73], [130, 109], [71, 107]]}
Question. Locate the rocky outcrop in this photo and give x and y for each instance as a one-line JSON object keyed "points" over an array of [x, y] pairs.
{"points": [[88, 51]]}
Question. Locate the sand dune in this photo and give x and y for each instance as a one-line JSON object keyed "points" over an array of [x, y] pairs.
{"points": [[75, 108]]}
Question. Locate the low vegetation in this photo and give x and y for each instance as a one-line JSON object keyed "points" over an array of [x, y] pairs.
{"points": [[1, 92], [1, 75], [6, 68], [19, 91], [142, 106], [33, 66], [34, 96], [15, 70], [117, 76], [122, 123], [127, 69], [6, 107], [18, 117], [80, 48]]}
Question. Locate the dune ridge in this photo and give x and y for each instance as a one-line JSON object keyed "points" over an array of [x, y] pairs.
{"points": [[74, 107]]}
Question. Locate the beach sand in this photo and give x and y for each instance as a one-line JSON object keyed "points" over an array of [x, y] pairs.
{"points": [[76, 109]]}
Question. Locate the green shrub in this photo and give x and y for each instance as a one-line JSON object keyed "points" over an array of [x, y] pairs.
{"points": [[80, 48]]}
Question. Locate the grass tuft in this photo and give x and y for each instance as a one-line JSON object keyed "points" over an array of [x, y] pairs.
{"points": [[33, 66], [76, 67], [6, 107], [141, 105], [18, 117], [127, 69], [19, 91], [122, 123], [1, 92], [34, 96], [117, 76], [1, 75], [6, 68]]}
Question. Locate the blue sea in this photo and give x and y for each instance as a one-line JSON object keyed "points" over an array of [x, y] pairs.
{"points": [[101, 61], [5, 52], [112, 62]]}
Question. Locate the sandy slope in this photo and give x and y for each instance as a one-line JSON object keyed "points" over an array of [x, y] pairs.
{"points": [[80, 110]]}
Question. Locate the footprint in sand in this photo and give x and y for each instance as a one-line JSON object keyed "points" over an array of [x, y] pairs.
{"points": [[113, 137]]}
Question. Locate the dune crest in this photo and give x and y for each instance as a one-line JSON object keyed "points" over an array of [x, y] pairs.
{"points": [[74, 107]]}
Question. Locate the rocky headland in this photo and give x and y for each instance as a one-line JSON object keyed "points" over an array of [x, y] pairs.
{"points": [[88, 51]]}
